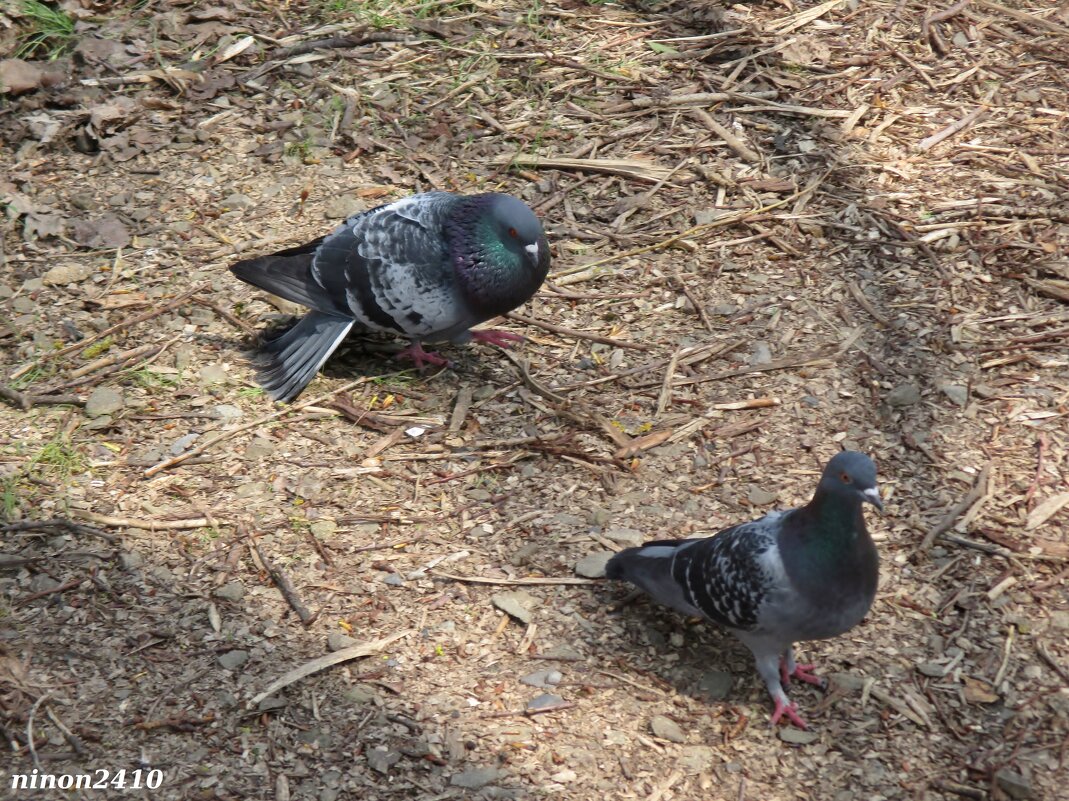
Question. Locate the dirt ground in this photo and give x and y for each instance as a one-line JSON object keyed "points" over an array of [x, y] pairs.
{"points": [[778, 229]]}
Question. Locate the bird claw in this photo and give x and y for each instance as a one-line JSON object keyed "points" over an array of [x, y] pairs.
{"points": [[790, 711], [422, 358], [493, 336], [802, 673]]}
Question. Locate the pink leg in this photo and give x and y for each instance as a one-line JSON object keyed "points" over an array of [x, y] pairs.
{"points": [[790, 711], [422, 358], [492, 336]]}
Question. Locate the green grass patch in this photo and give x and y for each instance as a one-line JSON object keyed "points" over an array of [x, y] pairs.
{"points": [[94, 350], [150, 379], [51, 31], [58, 460]]}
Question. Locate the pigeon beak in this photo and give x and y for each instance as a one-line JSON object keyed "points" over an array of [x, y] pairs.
{"points": [[872, 495], [533, 250]]}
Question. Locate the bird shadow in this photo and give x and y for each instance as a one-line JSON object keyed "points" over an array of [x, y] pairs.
{"points": [[710, 665], [361, 354]]}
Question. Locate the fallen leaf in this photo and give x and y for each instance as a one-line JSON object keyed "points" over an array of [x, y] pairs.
{"points": [[18, 76]]}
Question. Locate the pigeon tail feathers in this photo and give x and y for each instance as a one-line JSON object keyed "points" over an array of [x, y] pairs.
{"points": [[291, 361], [287, 274], [650, 567]]}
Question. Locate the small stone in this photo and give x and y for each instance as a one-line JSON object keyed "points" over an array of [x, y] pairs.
{"points": [[931, 670], [599, 516], [760, 354], [336, 641], [104, 400], [67, 273], [227, 413], [536, 679], [259, 448], [381, 759], [566, 653], [517, 604], [544, 701], [761, 497], [232, 660], [475, 778], [667, 729], [237, 201], [794, 736], [182, 444], [564, 776], [340, 207], [213, 374], [957, 393], [323, 528], [41, 582], [394, 580], [1059, 619], [903, 395], [231, 591], [361, 693], [697, 758], [715, 685], [554, 677], [1013, 784], [130, 560], [251, 489], [593, 564], [628, 537]]}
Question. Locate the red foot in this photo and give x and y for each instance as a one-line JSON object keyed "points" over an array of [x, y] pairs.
{"points": [[790, 711], [802, 673], [492, 336], [422, 358]]}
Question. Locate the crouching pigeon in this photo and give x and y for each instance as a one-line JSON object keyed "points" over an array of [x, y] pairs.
{"points": [[427, 267], [804, 574]]}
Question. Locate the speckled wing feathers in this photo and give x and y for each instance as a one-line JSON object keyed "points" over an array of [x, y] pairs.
{"points": [[727, 576], [392, 267]]}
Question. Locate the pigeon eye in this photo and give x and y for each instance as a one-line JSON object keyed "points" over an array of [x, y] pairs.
{"points": [[512, 233], [845, 477]]}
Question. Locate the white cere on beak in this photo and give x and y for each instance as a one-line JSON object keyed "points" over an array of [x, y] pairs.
{"points": [[872, 495], [532, 249]]}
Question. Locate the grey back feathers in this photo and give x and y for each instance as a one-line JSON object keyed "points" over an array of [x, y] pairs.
{"points": [[428, 267]]}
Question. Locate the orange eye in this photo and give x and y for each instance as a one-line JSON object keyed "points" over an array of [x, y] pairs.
{"points": [[512, 233], [845, 477]]}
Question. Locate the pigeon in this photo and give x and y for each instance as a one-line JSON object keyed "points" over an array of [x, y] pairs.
{"points": [[427, 267], [803, 574]]}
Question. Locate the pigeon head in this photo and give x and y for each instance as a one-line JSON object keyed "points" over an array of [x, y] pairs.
{"points": [[510, 222], [501, 252], [851, 475]]}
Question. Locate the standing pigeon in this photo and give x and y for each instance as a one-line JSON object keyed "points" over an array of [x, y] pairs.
{"points": [[427, 267], [803, 574]]}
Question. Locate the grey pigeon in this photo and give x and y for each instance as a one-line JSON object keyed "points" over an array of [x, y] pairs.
{"points": [[428, 267], [804, 574]]}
